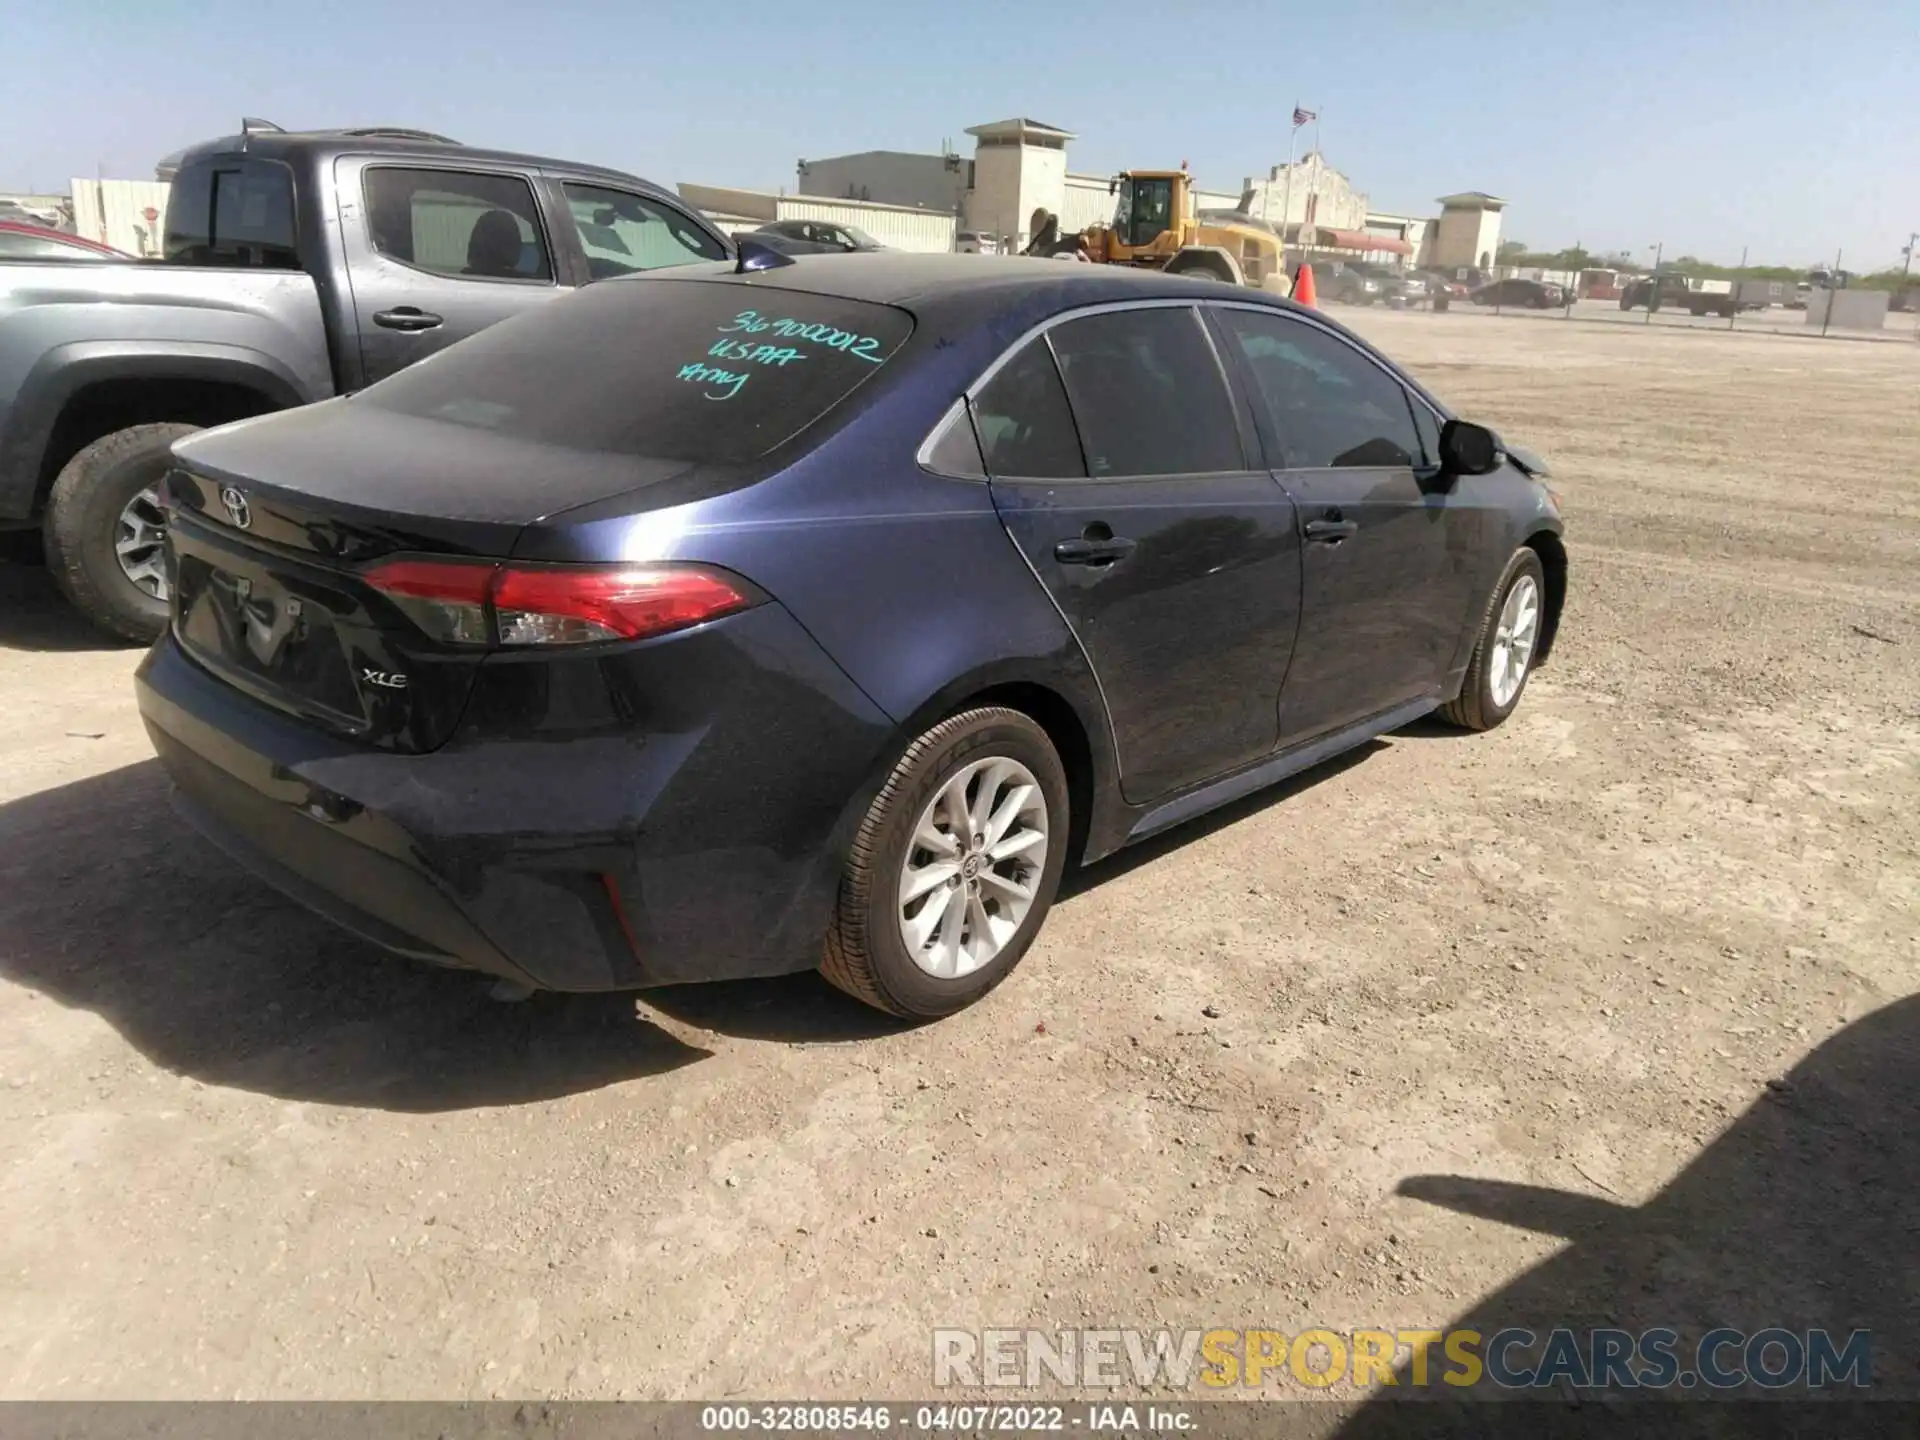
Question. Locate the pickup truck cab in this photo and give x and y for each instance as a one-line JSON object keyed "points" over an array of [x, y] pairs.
{"points": [[296, 267]]}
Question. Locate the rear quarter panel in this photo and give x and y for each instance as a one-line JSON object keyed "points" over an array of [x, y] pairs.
{"points": [[907, 579]]}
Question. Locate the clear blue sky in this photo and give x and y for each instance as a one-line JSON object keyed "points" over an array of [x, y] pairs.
{"points": [[1706, 124]]}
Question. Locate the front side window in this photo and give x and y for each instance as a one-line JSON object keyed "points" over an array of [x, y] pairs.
{"points": [[462, 224], [623, 232], [227, 210], [1147, 394], [1329, 405], [1023, 420]]}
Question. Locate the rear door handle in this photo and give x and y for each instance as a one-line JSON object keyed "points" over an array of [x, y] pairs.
{"points": [[407, 317], [1330, 532], [1092, 552]]}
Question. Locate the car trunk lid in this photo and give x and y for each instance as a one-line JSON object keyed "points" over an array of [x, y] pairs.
{"points": [[277, 525]]}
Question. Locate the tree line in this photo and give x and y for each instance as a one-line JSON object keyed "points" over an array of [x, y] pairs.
{"points": [[1516, 253]]}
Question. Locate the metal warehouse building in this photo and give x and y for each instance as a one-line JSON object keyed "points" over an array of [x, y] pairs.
{"points": [[904, 227]]}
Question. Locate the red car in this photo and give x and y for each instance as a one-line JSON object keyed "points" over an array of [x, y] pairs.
{"points": [[20, 241]]}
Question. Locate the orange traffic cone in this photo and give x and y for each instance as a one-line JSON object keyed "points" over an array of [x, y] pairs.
{"points": [[1303, 286]]}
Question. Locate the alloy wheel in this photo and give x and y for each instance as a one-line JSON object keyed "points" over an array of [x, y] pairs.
{"points": [[139, 542], [973, 866], [1513, 640]]}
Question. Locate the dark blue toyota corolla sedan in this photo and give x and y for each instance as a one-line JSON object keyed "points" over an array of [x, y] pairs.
{"points": [[717, 624]]}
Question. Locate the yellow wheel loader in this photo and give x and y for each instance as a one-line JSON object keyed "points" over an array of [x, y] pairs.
{"points": [[1155, 225]]}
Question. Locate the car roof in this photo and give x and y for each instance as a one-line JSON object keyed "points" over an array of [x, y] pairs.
{"points": [[915, 281], [291, 144]]}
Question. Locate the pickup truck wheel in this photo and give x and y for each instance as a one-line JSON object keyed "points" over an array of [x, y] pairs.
{"points": [[105, 530]]}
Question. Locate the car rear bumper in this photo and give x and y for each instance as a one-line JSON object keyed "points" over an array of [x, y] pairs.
{"points": [[561, 859]]}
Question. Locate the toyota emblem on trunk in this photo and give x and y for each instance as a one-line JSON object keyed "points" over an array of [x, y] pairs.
{"points": [[238, 510]]}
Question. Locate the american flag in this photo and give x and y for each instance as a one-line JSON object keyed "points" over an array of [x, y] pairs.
{"points": [[1303, 117]]}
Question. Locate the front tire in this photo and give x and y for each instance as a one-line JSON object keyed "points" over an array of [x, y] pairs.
{"points": [[954, 868], [105, 530], [1503, 656]]}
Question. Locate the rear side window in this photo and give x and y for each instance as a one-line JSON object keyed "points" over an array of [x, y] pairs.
{"points": [[671, 370], [1148, 394], [1329, 405], [622, 232], [1024, 423], [472, 226], [232, 211]]}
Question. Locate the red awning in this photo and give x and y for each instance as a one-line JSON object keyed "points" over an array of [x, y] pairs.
{"points": [[1361, 240]]}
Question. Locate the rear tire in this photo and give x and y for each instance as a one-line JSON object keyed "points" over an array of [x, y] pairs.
{"points": [[91, 503], [867, 952], [1490, 692], [1203, 270]]}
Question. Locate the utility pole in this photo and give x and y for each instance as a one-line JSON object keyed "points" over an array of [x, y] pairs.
{"points": [[1653, 285], [1912, 241]]}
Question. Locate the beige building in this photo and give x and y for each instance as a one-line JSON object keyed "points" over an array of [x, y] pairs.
{"points": [[1468, 231], [1020, 165]]}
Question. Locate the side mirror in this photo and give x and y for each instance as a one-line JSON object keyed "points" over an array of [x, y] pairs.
{"points": [[1469, 449]]}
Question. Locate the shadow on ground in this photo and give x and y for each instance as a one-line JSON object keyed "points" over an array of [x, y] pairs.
{"points": [[1146, 852], [1804, 1215], [34, 615], [109, 903]]}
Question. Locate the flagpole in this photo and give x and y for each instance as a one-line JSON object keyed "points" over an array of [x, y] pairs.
{"points": [[1286, 195], [1319, 165]]}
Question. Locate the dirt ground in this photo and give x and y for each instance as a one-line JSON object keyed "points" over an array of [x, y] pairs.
{"points": [[242, 1155]]}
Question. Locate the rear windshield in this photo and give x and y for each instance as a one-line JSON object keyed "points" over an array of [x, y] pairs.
{"points": [[666, 369], [232, 211]]}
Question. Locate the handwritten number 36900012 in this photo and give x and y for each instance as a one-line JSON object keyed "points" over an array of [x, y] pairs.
{"points": [[728, 383]]}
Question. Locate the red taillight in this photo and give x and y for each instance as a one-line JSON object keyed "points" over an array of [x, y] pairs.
{"points": [[568, 607], [464, 602]]}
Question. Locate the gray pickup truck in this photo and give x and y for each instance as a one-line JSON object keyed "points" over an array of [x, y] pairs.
{"points": [[296, 266]]}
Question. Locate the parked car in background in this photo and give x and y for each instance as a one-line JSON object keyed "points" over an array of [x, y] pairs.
{"points": [[295, 267], [1446, 282], [976, 242], [1412, 287], [568, 683], [1364, 282], [21, 241], [1724, 298], [822, 237], [1521, 294], [1350, 282]]}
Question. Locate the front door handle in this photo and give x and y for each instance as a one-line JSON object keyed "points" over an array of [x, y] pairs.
{"points": [[1093, 552], [407, 317], [1330, 532]]}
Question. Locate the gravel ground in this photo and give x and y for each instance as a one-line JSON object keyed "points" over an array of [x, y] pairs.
{"points": [[242, 1155]]}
